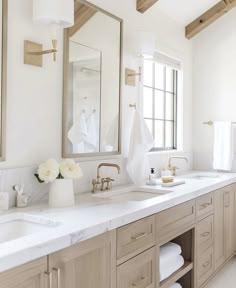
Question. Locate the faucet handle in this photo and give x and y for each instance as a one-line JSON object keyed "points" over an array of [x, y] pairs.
{"points": [[109, 183], [173, 169]]}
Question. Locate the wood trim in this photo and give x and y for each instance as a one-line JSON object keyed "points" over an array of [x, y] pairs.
{"points": [[82, 15], [4, 80], [209, 17], [144, 5]]}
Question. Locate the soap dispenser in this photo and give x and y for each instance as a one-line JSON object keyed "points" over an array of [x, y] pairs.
{"points": [[152, 175]]}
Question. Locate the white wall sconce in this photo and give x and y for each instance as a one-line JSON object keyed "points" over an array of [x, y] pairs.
{"points": [[57, 14]]}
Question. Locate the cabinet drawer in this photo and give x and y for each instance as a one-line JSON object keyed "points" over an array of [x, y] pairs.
{"points": [[138, 272], [204, 204], [205, 233], [135, 238], [205, 266], [171, 221]]}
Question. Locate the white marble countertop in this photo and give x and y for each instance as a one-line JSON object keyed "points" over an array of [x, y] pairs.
{"points": [[92, 216]]}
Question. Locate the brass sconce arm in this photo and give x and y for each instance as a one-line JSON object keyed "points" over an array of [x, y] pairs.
{"points": [[33, 52], [130, 76]]}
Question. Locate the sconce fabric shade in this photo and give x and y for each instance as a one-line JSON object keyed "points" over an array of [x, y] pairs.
{"points": [[54, 12]]}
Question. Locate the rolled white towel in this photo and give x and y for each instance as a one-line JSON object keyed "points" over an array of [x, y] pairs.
{"points": [[169, 250], [175, 285], [167, 268]]}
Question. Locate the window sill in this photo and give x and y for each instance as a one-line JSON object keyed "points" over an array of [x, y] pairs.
{"points": [[165, 152]]}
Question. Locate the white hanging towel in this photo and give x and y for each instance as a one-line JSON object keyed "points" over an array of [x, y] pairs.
{"points": [[78, 132], [141, 142], [223, 146], [176, 285], [91, 140]]}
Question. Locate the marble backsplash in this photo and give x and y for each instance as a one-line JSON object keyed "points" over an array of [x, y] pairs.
{"points": [[39, 192]]}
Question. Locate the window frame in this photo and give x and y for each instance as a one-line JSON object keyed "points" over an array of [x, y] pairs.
{"points": [[175, 105]]}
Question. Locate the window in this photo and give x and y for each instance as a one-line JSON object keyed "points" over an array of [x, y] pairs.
{"points": [[160, 103]]}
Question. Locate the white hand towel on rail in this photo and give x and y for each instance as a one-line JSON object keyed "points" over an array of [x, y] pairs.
{"points": [[141, 142], [167, 268], [169, 250], [175, 285], [223, 146]]}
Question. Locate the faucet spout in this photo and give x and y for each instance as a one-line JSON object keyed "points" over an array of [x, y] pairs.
{"points": [[107, 165], [173, 168], [102, 181]]}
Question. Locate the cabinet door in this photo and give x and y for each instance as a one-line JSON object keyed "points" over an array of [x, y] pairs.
{"points": [[30, 275], [89, 264], [229, 222], [139, 272], [219, 237]]}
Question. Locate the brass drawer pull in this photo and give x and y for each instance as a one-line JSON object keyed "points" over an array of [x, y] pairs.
{"points": [[206, 264], [58, 276], [49, 274], [205, 234], [205, 205], [142, 235], [137, 283]]}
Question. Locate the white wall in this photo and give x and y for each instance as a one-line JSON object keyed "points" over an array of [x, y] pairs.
{"points": [[34, 96], [214, 85]]}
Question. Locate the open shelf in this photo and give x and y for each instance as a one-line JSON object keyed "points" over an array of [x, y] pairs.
{"points": [[188, 266]]}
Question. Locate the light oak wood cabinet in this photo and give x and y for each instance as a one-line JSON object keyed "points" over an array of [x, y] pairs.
{"points": [[205, 266], [175, 219], [89, 264], [204, 205], [224, 227], [134, 238], [128, 257], [139, 272], [30, 275]]}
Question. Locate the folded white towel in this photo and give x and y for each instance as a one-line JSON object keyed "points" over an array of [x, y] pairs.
{"points": [[167, 268], [223, 146], [169, 250], [175, 285]]}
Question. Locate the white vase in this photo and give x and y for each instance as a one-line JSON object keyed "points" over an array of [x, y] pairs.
{"points": [[61, 193]]}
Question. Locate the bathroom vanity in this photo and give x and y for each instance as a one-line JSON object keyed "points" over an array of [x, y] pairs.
{"points": [[127, 256]]}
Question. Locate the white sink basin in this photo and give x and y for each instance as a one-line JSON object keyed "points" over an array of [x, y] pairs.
{"points": [[203, 176], [19, 225], [132, 194]]}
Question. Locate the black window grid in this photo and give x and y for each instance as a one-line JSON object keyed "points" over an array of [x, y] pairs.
{"points": [[173, 145]]}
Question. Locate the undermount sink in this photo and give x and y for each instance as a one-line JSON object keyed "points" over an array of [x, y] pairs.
{"points": [[202, 176], [132, 195], [19, 225]]}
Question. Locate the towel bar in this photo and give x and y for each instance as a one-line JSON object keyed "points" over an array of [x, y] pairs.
{"points": [[211, 123]]}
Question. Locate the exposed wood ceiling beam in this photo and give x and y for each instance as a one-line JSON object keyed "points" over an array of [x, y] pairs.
{"points": [[83, 14], [209, 17], [144, 5]]}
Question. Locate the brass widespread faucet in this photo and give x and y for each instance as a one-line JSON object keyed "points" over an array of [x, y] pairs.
{"points": [[173, 168], [104, 183]]}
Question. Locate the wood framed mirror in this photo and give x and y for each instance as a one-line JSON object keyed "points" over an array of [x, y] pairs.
{"points": [[92, 84]]}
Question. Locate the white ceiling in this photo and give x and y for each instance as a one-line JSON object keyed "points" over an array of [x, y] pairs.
{"points": [[185, 11]]}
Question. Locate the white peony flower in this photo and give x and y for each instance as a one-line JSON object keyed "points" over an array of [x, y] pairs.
{"points": [[70, 170], [48, 171]]}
